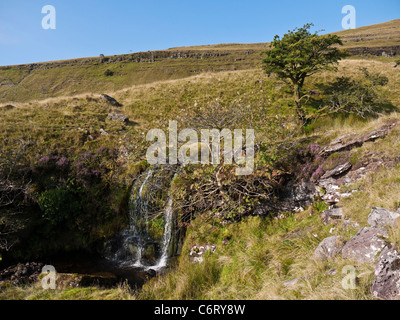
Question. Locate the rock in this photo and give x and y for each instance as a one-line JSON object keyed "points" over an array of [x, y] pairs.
{"points": [[21, 273], [291, 283], [117, 117], [332, 215], [103, 132], [329, 248], [110, 100], [344, 143], [365, 245], [7, 107], [380, 217], [348, 223], [296, 195], [343, 168], [67, 280], [196, 253], [386, 285], [331, 272]]}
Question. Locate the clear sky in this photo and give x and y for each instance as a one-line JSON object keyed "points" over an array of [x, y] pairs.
{"points": [[86, 28]]}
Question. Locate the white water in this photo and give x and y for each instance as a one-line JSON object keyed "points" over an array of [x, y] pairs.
{"points": [[135, 238], [162, 263], [138, 208]]}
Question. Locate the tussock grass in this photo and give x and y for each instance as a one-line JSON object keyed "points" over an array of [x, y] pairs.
{"points": [[259, 258]]}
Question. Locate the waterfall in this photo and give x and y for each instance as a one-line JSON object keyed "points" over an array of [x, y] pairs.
{"points": [[162, 263], [132, 244]]}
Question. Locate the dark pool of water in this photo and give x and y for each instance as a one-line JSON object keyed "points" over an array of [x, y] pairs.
{"points": [[94, 265]]}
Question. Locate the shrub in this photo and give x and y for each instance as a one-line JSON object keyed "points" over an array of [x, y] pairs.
{"points": [[361, 97], [58, 205], [108, 73]]}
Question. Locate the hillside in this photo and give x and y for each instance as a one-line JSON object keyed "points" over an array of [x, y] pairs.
{"points": [[75, 183], [88, 75]]}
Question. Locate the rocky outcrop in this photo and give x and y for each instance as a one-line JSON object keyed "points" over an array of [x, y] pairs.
{"points": [[348, 142], [21, 273], [365, 245], [339, 170], [345, 173], [329, 248], [380, 217], [386, 285], [389, 51]]}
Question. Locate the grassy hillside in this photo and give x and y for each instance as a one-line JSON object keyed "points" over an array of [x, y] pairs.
{"points": [[378, 35], [88, 75], [70, 168]]}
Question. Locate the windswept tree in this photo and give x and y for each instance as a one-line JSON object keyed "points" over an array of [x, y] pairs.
{"points": [[298, 55]]}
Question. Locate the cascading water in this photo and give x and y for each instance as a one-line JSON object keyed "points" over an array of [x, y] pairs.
{"points": [[162, 263], [134, 246]]}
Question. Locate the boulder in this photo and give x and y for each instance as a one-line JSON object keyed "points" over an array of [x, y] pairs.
{"points": [[110, 100], [117, 117], [380, 217], [365, 245], [329, 248], [292, 283], [7, 107], [386, 285], [341, 169], [349, 142], [103, 132], [332, 215], [21, 273], [197, 253]]}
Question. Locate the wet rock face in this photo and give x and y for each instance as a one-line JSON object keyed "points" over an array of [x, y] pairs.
{"points": [[296, 195], [292, 196], [329, 248], [380, 217], [365, 245], [386, 285], [21, 273], [66, 280]]}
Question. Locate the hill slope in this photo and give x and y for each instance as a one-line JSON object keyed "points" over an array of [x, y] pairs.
{"points": [[88, 75]]}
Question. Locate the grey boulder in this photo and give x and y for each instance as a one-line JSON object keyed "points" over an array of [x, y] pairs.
{"points": [[380, 217], [329, 248], [365, 245], [386, 285]]}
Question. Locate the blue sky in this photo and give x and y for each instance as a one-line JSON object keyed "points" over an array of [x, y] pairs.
{"points": [[90, 28]]}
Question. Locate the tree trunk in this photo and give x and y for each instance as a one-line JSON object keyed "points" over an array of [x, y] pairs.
{"points": [[299, 108]]}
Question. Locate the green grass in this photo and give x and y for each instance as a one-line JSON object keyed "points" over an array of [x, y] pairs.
{"points": [[259, 258]]}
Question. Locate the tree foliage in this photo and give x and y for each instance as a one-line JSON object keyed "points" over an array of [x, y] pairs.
{"points": [[300, 54], [361, 97]]}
